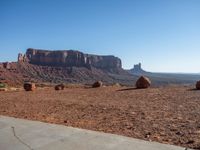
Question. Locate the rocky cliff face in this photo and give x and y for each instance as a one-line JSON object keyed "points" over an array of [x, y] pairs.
{"points": [[70, 58]]}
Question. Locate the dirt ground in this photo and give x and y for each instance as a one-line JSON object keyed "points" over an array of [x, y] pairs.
{"points": [[166, 114]]}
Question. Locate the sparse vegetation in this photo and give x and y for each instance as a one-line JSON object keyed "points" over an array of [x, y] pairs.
{"points": [[2, 85]]}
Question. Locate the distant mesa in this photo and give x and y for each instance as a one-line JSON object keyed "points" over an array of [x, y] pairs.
{"points": [[63, 66], [72, 66], [69, 58]]}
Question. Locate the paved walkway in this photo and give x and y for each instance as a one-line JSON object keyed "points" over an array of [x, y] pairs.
{"points": [[19, 134]]}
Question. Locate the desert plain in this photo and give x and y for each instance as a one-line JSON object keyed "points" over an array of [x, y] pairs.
{"points": [[169, 114]]}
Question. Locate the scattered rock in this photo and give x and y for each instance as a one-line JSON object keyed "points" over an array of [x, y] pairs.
{"points": [[3, 89], [97, 84], [117, 85], [198, 85], [143, 82], [29, 86], [105, 109], [190, 142], [59, 87], [179, 133], [147, 135]]}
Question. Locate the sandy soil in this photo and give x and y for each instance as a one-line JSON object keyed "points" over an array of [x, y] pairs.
{"points": [[167, 115]]}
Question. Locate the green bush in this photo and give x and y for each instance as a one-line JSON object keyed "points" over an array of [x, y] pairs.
{"points": [[2, 85]]}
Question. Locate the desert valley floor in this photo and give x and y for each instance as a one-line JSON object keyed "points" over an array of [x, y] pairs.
{"points": [[166, 114]]}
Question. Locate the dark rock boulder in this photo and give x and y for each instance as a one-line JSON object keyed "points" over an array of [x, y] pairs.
{"points": [[143, 82], [29, 86], [59, 87], [198, 85], [97, 84]]}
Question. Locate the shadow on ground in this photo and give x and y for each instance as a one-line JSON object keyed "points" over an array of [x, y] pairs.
{"points": [[193, 89], [128, 89]]}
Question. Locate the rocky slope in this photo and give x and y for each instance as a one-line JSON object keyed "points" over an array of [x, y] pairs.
{"points": [[64, 66]]}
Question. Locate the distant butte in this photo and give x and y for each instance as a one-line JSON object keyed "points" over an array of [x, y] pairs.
{"points": [[137, 69]]}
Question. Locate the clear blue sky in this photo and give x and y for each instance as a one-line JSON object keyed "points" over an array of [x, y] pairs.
{"points": [[164, 35]]}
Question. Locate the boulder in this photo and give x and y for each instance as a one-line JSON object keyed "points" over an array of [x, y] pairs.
{"points": [[3, 89], [198, 85], [97, 84], [29, 86], [143, 82], [59, 87]]}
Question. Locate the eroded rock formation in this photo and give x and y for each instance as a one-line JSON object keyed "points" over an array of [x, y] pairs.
{"points": [[71, 58], [137, 69], [68, 66]]}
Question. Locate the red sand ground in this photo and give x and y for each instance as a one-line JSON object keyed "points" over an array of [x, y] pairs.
{"points": [[167, 114]]}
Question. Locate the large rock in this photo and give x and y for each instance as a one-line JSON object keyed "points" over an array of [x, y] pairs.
{"points": [[59, 87], [143, 82], [70, 58], [198, 85], [97, 84], [29, 86], [3, 89]]}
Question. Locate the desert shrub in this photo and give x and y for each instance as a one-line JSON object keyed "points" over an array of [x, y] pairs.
{"points": [[2, 85]]}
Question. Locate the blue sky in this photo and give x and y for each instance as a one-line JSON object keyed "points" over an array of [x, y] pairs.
{"points": [[164, 35]]}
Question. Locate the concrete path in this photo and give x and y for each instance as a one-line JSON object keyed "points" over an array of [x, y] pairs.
{"points": [[19, 134]]}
